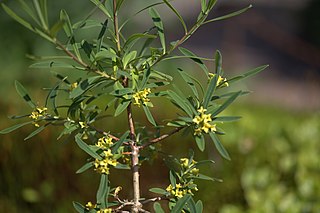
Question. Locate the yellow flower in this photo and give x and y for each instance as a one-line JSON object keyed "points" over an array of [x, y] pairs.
{"points": [[37, 114], [90, 205], [82, 125], [223, 82], [104, 142], [142, 97], [73, 86]]}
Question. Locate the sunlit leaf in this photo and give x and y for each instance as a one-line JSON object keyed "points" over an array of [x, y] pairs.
{"points": [[157, 208], [121, 107], [181, 203], [229, 101], [248, 74], [103, 191], [149, 115], [85, 167], [195, 58], [35, 132], [79, 207], [200, 142], [178, 15]]}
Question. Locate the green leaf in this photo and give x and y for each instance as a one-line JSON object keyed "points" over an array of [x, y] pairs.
{"points": [[41, 12], [199, 206], [134, 38], [225, 104], [85, 147], [12, 128], [100, 5], [69, 32], [192, 205], [121, 107], [218, 62], [210, 90], [24, 94], [53, 64], [223, 152], [159, 25], [180, 204], [128, 58], [103, 191], [101, 35], [195, 58], [119, 143], [145, 78], [29, 11], [200, 142], [84, 86], [78, 207], [121, 92], [158, 191], [178, 15], [180, 102], [37, 131], [190, 81], [172, 178], [248, 74], [228, 15], [226, 118], [203, 177], [56, 28], [85, 167], [157, 208], [18, 18], [149, 115]]}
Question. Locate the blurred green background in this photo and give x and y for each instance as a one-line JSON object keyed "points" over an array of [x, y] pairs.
{"points": [[274, 149]]}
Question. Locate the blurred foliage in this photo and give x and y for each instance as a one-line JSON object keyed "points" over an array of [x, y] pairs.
{"points": [[274, 167]]}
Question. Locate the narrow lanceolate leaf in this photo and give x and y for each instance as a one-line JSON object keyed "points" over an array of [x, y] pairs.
{"points": [[190, 81], [69, 32], [199, 206], [29, 11], [248, 74], [145, 78], [225, 104], [181, 203], [128, 58], [218, 62], [178, 15], [17, 18], [24, 94], [83, 86], [37, 131], [228, 15], [192, 205], [157, 208], [56, 28], [12, 128], [195, 58], [201, 143], [103, 191], [85, 167], [159, 25], [101, 35], [85, 147], [223, 152], [53, 64], [41, 12], [227, 118], [121, 107], [100, 5], [210, 90], [135, 37], [79, 207], [180, 102], [119, 143], [149, 115], [158, 191]]}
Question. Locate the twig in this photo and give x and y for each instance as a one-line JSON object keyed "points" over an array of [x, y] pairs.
{"points": [[162, 137]]}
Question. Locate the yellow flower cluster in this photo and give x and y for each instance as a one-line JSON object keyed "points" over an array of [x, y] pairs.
{"points": [[202, 122], [102, 166], [179, 191], [185, 164], [221, 81], [104, 142], [38, 113], [141, 96]]}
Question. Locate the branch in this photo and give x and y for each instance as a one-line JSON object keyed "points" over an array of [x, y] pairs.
{"points": [[83, 64], [162, 137]]}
